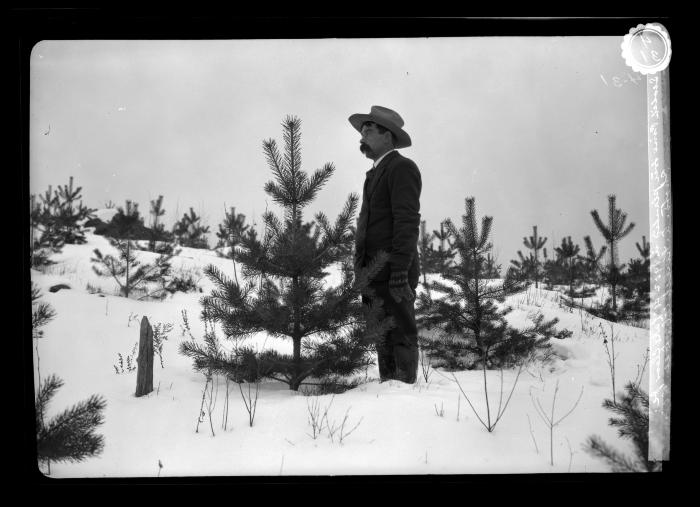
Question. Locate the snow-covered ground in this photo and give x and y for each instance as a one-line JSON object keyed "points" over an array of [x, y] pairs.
{"points": [[425, 428]]}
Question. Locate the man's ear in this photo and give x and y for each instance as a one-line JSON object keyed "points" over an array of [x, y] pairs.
{"points": [[390, 138]]}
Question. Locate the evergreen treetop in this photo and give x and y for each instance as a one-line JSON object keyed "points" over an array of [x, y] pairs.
{"points": [[60, 216], [158, 237], [592, 259], [615, 230], [613, 233], [190, 232], [535, 243], [645, 249]]}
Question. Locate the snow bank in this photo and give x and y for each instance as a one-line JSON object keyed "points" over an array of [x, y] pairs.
{"points": [[400, 428]]}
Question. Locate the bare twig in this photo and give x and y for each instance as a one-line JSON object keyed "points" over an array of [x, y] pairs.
{"points": [[549, 420], [441, 412], [611, 356], [640, 371], [425, 365], [224, 422], [344, 434], [201, 406], [571, 454], [250, 399], [532, 434], [209, 407], [316, 418]]}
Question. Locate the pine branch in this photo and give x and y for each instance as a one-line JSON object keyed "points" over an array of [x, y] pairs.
{"points": [[308, 192], [620, 463]]}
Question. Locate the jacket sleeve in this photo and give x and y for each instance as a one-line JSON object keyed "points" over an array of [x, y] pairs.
{"points": [[405, 187]]}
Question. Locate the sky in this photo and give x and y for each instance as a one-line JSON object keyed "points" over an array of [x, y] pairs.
{"points": [[539, 130]]}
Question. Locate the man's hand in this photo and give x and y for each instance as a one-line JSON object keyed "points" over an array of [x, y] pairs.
{"points": [[399, 288]]}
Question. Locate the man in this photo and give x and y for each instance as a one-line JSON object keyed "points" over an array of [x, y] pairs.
{"points": [[389, 221]]}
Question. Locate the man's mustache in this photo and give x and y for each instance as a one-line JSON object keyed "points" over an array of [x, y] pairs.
{"points": [[364, 147]]}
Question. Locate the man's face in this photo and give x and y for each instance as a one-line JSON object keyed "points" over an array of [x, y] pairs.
{"points": [[372, 143]]}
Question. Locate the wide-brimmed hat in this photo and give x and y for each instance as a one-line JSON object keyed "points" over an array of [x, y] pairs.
{"points": [[386, 118]]}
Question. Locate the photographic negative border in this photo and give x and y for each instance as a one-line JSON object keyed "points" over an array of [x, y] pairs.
{"points": [[660, 208], [661, 241]]}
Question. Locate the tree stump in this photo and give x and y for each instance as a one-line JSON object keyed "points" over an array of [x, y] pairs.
{"points": [[144, 372]]}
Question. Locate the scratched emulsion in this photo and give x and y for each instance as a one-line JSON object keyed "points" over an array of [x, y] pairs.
{"points": [[660, 223]]}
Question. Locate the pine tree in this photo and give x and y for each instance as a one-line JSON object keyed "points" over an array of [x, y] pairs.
{"points": [[70, 435], [231, 233], [159, 239], [613, 233], [491, 269], [190, 232], [645, 249], [70, 214], [326, 325], [42, 243], [445, 254], [535, 243], [468, 315], [426, 256], [549, 277], [347, 254], [568, 252], [522, 269], [61, 216], [591, 262], [633, 424], [474, 330], [554, 270], [636, 284], [126, 270]]}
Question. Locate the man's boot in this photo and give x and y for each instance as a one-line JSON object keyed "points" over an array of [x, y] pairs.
{"points": [[386, 363], [406, 363]]}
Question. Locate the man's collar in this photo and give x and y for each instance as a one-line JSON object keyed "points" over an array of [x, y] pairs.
{"points": [[376, 162]]}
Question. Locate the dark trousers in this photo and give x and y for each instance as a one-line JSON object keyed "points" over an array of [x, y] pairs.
{"points": [[397, 354]]}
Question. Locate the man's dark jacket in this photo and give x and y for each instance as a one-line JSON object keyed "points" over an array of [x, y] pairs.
{"points": [[389, 218]]}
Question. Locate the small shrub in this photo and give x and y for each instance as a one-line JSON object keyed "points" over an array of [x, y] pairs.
{"points": [[41, 258], [130, 361], [334, 384], [185, 281], [160, 334]]}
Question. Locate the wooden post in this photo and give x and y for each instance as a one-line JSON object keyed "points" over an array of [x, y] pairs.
{"points": [[144, 373]]}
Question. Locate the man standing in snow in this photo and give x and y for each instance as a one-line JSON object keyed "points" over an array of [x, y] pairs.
{"points": [[389, 221]]}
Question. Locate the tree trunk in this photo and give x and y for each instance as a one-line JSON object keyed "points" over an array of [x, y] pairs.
{"points": [[296, 381], [613, 273], [126, 285], [571, 277], [144, 373]]}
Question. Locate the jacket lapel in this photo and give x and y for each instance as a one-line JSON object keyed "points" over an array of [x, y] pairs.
{"points": [[380, 171]]}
